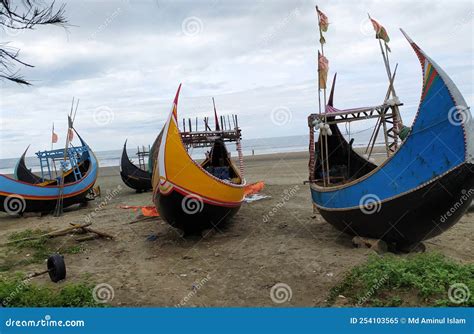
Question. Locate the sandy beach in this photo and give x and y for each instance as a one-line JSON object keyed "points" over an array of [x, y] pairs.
{"points": [[150, 264]]}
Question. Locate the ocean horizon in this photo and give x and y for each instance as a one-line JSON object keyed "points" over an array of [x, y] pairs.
{"points": [[256, 146]]}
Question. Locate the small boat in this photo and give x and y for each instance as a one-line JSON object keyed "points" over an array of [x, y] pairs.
{"points": [[421, 189], [189, 195], [38, 194], [134, 176]]}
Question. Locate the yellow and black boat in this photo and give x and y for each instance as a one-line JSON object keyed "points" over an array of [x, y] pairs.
{"points": [[193, 196]]}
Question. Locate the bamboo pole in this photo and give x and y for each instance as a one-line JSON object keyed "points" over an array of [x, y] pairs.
{"points": [[59, 204], [324, 96]]}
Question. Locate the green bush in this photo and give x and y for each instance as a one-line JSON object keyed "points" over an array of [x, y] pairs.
{"points": [[16, 292], [417, 280]]}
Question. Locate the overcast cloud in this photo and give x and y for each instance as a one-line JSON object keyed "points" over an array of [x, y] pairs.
{"points": [[125, 59]]}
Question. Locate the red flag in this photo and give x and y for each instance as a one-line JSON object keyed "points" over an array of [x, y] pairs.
{"points": [[54, 136]]}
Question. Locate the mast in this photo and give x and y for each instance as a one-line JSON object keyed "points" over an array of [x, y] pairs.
{"points": [[384, 50], [322, 19], [59, 204]]}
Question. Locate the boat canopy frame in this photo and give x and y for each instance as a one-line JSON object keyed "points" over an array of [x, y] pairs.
{"points": [[48, 159]]}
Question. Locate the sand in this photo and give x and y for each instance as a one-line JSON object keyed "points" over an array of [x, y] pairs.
{"points": [[151, 264]]}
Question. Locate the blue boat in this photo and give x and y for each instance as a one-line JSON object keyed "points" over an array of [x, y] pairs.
{"points": [[45, 194], [420, 190]]}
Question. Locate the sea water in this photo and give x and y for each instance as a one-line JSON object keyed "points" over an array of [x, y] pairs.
{"points": [[257, 146]]}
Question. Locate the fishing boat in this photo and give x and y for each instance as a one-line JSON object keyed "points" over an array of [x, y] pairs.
{"points": [[133, 176], [73, 185], [195, 196], [426, 182]]}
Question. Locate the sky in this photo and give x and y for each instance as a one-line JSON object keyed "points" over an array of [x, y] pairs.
{"points": [[125, 59]]}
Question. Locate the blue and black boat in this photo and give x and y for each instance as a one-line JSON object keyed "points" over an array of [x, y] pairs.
{"points": [[423, 187], [52, 190]]}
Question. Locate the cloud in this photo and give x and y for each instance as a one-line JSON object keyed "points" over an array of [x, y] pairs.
{"points": [[252, 56]]}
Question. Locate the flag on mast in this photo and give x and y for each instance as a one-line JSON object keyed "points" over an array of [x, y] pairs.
{"points": [[54, 136], [323, 68], [380, 32], [323, 25], [323, 20], [70, 131]]}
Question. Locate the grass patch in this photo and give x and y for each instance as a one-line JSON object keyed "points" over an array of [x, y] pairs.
{"points": [[417, 280], [36, 249], [14, 292]]}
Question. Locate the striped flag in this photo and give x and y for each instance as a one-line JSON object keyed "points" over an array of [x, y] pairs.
{"points": [[323, 68], [380, 32], [323, 20], [323, 25]]}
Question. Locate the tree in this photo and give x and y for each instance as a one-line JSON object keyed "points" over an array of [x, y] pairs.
{"points": [[24, 15]]}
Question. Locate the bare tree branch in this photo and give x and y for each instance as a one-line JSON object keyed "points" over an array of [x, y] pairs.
{"points": [[28, 14]]}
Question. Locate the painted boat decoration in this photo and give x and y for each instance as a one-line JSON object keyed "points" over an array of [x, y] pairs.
{"points": [[132, 175], [192, 196], [17, 197], [23, 173], [421, 190]]}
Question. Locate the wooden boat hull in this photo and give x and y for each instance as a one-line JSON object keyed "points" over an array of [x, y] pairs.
{"points": [[133, 176], [190, 213], [424, 187], [185, 194], [38, 205], [17, 197], [414, 217]]}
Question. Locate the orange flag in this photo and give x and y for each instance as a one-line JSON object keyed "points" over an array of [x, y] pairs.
{"points": [[323, 68]]}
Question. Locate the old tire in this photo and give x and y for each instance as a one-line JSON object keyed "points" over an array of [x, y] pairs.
{"points": [[56, 268]]}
